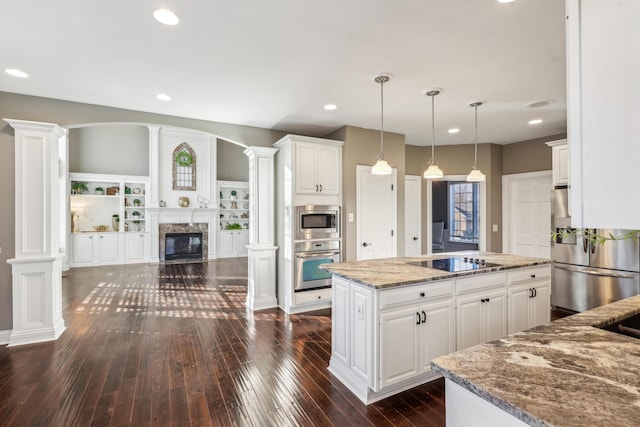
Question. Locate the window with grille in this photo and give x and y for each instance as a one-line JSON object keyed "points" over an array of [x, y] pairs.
{"points": [[464, 204], [184, 168]]}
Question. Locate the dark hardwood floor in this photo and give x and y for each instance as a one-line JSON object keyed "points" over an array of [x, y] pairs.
{"points": [[174, 345]]}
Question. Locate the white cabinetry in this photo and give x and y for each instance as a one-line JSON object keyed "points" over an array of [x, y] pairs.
{"points": [[559, 162], [411, 337], [529, 293], [309, 172], [105, 209], [232, 243], [318, 168], [481, 309], [383, 340], [603, 98]]}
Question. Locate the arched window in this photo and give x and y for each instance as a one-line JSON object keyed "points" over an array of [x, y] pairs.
{"points": [[184, 168]]}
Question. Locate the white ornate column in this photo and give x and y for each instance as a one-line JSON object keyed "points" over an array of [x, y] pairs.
{"points": [[154, 167], [261, 292], [37, 266]]}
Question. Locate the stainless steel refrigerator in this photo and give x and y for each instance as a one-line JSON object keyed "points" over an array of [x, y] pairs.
{"points": [[587, 275]]}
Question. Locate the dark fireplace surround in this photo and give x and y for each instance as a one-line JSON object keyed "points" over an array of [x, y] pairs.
{"points": [[183, 230]]}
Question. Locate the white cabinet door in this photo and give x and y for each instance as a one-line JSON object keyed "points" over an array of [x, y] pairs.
{"points": [[603, 66], [560, 164], [495, 315], [399, 345], [134, 247], [540, 304], [83, 249], [108, 248], [518, 318], [241, 242], [481, 317], [468, 321], [437, 333], [329, 167], [306, 166], [225, 244]]}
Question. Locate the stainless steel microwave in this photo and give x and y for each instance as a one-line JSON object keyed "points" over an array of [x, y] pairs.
{"points": [[317, 222]]}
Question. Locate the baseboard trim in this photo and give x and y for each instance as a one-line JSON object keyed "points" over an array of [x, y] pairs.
{"points": [[32, 336]]}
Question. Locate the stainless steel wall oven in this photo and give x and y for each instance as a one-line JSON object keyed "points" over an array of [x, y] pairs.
{"points": [[308, 257]]}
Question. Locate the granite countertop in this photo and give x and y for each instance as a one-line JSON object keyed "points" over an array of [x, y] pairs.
{"points": [[390, 272], [565, 373]]}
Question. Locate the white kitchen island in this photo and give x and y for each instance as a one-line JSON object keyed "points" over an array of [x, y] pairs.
{"points": [[391, 317]]}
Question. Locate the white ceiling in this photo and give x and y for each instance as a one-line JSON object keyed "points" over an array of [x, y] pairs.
{"points": [[274, 64]]}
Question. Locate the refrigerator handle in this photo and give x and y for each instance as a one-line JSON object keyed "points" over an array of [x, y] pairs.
{"points": [[593, 245], [585, 241]]}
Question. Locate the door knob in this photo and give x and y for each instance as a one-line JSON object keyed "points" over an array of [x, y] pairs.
{"points": [[365, 244]]}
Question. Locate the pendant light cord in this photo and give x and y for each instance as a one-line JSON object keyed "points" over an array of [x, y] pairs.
{"points": [[475, 156], [433, 129], [381, 115]]}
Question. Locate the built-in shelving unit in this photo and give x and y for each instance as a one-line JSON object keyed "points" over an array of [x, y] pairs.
{"points": [[233, 232]]}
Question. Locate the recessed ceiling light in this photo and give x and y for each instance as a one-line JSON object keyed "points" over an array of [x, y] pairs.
{"points": [[505, 1], [16, 73], [330, 107], [453, 130], [166, 17], [163, 97], [535, 121]]}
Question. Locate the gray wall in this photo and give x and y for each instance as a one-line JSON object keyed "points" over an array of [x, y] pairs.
{"points": [[528, 156], [233, 165], [110, 149]]}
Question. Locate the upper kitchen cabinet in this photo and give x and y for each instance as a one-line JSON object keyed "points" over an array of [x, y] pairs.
{"points": [[316, 168], [559, 162], [603, 65]]}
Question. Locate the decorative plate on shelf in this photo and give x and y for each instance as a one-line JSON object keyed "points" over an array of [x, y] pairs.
{"points": [[137, 190]]}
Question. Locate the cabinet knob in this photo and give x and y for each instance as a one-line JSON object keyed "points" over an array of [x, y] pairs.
{"points": [[422, 294], [533, 276], [365, 244], [415, 238]]}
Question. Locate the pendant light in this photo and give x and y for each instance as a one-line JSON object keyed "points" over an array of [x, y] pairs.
{"points": [[433, 171], [475, 175], [381, 167]]}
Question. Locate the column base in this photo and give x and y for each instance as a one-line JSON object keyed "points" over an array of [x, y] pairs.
{"points": [[261, 289]]}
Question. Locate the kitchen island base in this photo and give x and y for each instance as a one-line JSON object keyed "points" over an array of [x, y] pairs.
{"points": [[467, 409]]}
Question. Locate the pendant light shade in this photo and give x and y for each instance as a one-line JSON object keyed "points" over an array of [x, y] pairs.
{"points": [[475, 175], [433, 171], [381, 167]]}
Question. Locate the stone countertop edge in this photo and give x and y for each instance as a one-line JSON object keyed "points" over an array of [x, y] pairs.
{"points": [[589, 322], [372, 273]]}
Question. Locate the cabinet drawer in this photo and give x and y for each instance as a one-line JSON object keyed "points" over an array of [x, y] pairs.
{"points": [[415, 293], [310, 297], [527, 274], [477, 282]]}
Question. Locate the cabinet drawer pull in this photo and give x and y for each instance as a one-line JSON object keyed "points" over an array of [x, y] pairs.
{"points": [[418, 314], [533, 276], [530, 292], [535, 292], [424, 317], [321, 188]]}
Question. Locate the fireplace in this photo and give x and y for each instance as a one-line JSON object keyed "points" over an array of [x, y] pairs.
{"points": [[182, 246], [187, 242]]}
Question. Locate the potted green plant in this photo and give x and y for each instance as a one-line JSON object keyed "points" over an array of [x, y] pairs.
{"points": [[78, 187], [234, 194], [234, 226], [115, 222], [99, 191], [136, 202]]}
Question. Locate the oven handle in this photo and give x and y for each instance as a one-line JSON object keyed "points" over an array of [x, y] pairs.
{"points": [[316, 254]]}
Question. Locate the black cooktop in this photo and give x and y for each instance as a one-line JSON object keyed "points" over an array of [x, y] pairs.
{"points": [[454, 265]]}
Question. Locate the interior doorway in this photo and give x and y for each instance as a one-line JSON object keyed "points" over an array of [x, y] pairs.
{"points": [[456, 215]]}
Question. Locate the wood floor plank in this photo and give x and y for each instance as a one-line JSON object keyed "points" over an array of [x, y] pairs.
{"points": [[173, 344]]}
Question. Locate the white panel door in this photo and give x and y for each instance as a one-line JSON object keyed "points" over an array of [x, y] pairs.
{"points": [[377, 207], [529, 215], [412, 215]]}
